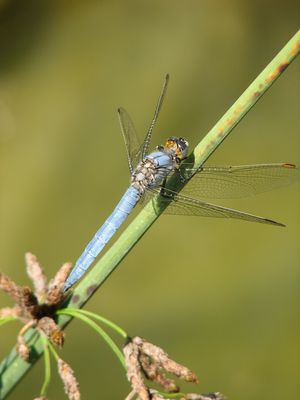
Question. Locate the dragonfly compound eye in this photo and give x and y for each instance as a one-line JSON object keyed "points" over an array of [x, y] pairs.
{"points": [[179, 146], [183, 145]]}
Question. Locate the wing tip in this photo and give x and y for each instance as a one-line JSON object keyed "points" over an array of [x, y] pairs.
{"points": [[289, 165], [271, 222]]}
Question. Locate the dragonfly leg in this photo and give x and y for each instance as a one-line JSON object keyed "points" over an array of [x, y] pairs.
{"points": [[181, 176], [165, 193]]}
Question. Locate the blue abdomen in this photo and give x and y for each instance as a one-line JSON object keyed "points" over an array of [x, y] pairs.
{"points": [[103, 235]]}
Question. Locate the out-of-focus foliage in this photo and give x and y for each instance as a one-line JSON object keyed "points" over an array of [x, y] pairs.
{"points": [[220, 296]]}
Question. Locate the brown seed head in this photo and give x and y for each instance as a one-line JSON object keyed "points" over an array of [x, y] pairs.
{"points": [[37, 276], [49, 327], [154, 373], [159, 356], [134, 373], [55, 289], [15, 312], [71, 385], [10, 287]]}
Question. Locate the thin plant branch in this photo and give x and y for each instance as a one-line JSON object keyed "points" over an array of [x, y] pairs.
{"points": [[5, 320], [105, 321], [77, 314], [47, 365]]}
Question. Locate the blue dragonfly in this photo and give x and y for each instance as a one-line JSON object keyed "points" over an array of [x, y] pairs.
{"points": [[150, 173]]}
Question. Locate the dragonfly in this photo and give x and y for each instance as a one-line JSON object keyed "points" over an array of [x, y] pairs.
{"points": [[151, 172]]}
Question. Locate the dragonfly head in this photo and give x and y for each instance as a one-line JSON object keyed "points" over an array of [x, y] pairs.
{"points": [[178, 146]]}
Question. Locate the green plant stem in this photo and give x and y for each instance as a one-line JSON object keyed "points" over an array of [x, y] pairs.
{"points": [[12, 369], [47, 365], [105, 321], [53, 351], [5, 320], [77, 314], [171, 395]]}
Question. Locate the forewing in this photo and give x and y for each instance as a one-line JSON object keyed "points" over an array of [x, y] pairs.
{"points": [[133, 147], [238, 181], [146, 143]]}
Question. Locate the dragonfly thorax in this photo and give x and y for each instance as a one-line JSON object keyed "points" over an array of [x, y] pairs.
{"points": [[143, 175], [152, 170]]}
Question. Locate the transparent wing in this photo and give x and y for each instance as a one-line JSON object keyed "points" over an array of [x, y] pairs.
{"points": [[183, 205], [146, 143], [133, 147], [238, 181], [135, 151]]}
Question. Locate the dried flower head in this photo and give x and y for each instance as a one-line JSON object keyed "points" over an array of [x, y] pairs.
{"points": [[10, 287], [145, 360], [37, 276], [36, 308], [14, 312], [51, 330], [134, 371], [71, 385], [155, 374], [55, 292], [160, 358]]}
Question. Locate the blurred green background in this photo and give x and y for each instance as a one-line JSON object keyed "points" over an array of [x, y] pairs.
{"points": [[220, 296]]}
